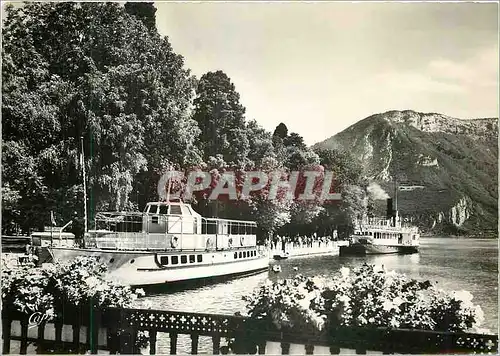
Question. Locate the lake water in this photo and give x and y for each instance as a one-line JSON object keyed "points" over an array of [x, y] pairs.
{"points": [[452, 264]]}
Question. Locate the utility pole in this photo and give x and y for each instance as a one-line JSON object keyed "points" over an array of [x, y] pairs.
{"points": [[82, 162]]}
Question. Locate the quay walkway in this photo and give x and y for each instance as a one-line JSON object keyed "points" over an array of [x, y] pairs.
{"points": [[114, 330], [314, 249]]}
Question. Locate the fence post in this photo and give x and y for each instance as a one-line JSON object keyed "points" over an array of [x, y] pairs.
{"points": [[194, 344], [173, 343], [41, 335], [309, 349], [24, 336], [6, 333], [285, 348], [152, 342], [76, 335], [95, 322], [216, 344]]}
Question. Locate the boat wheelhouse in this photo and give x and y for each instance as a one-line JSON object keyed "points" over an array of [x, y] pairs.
{"points": [[170, 242]]}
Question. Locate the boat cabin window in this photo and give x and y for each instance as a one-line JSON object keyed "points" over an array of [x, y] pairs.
{"points": [[153, 209], [175, 209], [236, 255], [164, 260], [244, 254], [163, 209], [192, 258], [208, 227], [184, 259], [199, 258], [175, 260], [239, 255], [154, 219]]}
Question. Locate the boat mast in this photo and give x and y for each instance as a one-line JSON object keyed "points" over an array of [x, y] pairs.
{"points": [[169, 185], [82, 162], [395, 202]]}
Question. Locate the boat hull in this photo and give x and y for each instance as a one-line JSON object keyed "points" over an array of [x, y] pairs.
{"points": [[371, 249], [144, 268]]}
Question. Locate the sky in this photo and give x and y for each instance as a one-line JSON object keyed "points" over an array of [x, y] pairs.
{"points": [[321, 67]]}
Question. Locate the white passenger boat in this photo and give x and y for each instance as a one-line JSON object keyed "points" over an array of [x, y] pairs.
{"points": [[168, 243], [381, 236]]}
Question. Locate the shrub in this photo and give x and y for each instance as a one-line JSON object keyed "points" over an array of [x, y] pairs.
{"points": [[366, 296], [53, 287]]}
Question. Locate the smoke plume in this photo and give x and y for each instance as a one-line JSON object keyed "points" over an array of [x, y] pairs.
{"points": [[376, 192]]}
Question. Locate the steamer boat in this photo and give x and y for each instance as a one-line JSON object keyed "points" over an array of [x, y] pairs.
{"points": [[382, 236], [168, 243]]}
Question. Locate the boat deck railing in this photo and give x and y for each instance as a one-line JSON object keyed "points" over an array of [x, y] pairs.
{"points": [[405, 228]]}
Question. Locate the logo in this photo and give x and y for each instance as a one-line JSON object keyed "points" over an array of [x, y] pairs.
{"points": [[298, 185], [36, 319]]}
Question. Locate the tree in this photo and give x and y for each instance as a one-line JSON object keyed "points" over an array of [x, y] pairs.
{"points": [[294, 140], [260, 143], [281, 131], [220, 117], [91, 70], [144, 11]]}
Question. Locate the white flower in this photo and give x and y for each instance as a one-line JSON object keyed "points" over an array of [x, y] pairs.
{"points": [[318, 282], [388, 305], [304, 303], [92, 282], [398, 301], [344, 298], [140, 292], [344, 271], [463, 296]]}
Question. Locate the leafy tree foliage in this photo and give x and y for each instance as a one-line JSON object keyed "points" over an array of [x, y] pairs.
{"points": [[220, 117], [145, 11], [281, 131], [91, 70]]}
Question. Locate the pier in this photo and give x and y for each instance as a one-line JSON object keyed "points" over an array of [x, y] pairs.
{"points": [[114, 330], [314, 249]]}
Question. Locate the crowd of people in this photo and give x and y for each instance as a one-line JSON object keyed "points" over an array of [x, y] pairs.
{"points": [[298, 241]]}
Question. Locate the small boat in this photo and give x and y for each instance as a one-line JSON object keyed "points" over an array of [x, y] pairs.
{"points": [[281, 256], [276, 268]]}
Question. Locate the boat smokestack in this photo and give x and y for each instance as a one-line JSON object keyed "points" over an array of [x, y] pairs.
{"points": [[390, 211]]}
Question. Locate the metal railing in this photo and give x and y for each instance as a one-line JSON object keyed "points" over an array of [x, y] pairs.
{"points": [[116, 330]]}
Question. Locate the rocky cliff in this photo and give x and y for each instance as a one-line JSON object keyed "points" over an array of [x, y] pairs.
{"points": [[446, 167]]}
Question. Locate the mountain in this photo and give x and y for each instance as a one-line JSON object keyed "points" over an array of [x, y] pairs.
{"points": [[446, 167]]}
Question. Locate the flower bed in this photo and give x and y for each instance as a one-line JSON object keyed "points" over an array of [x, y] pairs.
{"points": [[366, 296], [54, 288]]}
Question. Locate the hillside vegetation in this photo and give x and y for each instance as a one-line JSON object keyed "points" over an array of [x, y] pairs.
{"points": [[455, 161]]}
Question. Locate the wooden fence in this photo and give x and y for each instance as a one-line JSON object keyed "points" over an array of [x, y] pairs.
{"points": [[116, 331]]}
